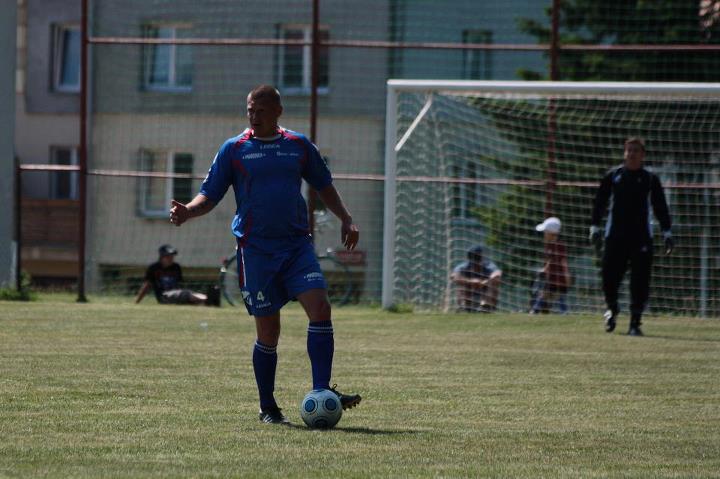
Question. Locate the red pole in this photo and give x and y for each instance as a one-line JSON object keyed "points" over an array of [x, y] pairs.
{"points": [[314, 79], [552, 116], [82, 174], [18, 226]]}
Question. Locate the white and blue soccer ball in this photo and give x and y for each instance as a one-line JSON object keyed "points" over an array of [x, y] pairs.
{"points": [[321, 409]]}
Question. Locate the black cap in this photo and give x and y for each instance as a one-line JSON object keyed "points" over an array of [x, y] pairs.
{"points": [[167, 250], [475, 252]]}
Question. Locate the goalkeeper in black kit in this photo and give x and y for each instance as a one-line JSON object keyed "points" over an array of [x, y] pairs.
{"points": [[630, 190]]}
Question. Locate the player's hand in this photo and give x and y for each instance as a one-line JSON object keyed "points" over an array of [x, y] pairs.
{"points": [[179, 213], [596, 238], [349, 235], [669, 245]]}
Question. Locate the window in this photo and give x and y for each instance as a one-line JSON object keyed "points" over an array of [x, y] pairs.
{"points": [[63, 184], [155, 193], [66, 58], [295, 61], [466, 196], [167, 67], [477, 64]]}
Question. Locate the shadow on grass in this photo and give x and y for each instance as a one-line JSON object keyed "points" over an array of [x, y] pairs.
{"points": [[359, 430], [681, 338]]}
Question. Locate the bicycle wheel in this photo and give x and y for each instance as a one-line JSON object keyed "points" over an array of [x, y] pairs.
{"points": [[230, 281], [337, 275]]}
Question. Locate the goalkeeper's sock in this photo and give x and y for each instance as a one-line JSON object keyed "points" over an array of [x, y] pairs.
{"points": [[265, 362], [320, 347]]}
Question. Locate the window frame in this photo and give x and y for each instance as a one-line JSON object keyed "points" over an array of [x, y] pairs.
{"points": [[74, 159], [148, 54], [306, 87], [485, 70], [59, 58], [169, 183]]}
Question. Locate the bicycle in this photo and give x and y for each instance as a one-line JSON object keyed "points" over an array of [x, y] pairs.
{"points": [[337, 273]]}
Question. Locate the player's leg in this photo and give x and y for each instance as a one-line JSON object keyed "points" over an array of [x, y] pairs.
{"points": [[196, 298], [263, 301], [490, 294], [464, 299], [641, 265], [265, 364], [320, 337], [614, 265], [304, 280]]}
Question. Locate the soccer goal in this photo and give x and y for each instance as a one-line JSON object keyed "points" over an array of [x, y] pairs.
{"points": [[481, 163]]}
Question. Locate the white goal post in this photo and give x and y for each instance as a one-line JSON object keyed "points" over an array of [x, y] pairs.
{"points": [[447, 110]]}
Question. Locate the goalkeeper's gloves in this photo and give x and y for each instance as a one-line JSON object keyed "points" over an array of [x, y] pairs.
{"points": [[669, 243], [596, 238]]}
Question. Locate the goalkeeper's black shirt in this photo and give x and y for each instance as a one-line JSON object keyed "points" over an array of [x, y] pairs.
{"points": [[630, 193]]}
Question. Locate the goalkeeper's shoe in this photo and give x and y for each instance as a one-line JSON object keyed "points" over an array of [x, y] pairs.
{"points": [[272, 415], [635, 327], [348, 401], [610, 317]]}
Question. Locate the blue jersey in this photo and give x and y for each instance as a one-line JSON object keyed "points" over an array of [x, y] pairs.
{"points": [[267, 179]]}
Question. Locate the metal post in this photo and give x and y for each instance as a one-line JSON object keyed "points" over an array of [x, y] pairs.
{"points": [[314, 79], [555, 41], [552, 106], [18, 225], [82, 174]]}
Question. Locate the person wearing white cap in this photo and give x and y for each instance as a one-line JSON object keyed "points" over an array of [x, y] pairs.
{"points": [[555, 270]]}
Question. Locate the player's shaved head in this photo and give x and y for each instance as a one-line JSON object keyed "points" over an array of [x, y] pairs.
{"points": [[634, 153], [265, 94], [635, 140]]}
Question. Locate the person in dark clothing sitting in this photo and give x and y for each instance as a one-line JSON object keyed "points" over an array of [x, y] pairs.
{"points": [[165, 278]]}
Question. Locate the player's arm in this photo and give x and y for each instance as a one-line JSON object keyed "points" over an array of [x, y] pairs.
{"points": [[459, 280], [599, 207], [143, 291], [212, 190], [350, 233], [180, 213], [662, 213], [601, 200]]}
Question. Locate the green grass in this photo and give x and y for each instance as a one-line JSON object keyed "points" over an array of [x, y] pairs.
{"points": [[110, 389]]}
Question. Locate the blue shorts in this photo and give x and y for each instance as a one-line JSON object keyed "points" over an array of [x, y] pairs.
{"points": [[269, 280]]}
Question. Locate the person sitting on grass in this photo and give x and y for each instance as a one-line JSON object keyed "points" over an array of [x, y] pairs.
{"points": [[165, 278], [477, 281]]}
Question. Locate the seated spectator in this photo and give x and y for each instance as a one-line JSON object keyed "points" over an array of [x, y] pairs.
{"points": [[555, 273], [165, 278], [477, 282]]}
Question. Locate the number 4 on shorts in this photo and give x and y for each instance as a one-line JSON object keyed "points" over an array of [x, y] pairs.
{"points": [[260, 296]]}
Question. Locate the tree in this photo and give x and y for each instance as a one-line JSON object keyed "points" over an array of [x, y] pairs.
{"points": [[633, 22]]}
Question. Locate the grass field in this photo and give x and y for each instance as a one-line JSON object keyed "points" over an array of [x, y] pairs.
{"points": [[109, 389]]}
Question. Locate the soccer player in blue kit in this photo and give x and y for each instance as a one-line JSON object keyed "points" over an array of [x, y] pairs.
{"points": [[265, 166]]}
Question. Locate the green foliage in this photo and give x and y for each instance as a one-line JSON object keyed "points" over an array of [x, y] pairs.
{"points": [[623, 22], [24, 294], [400, 308]]}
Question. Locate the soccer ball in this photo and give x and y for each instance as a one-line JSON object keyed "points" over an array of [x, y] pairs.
{"points": [[321, 409]]}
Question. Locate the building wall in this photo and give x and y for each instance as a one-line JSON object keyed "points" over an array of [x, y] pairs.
{"points": [[222, 76], [419, 21], [118, 235], [127, 117], [44, 118], [39, 94], [7, 113]]}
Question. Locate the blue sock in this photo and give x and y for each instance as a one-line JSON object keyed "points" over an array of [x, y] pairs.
{"points": [[320, 346], [264, 363]]}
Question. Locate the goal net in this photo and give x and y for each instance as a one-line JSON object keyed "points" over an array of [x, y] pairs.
{"points": [[482, 163]]}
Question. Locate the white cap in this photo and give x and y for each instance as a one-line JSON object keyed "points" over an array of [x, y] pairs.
{"points": [[551, 225]]}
